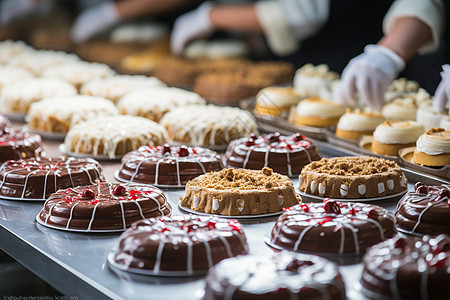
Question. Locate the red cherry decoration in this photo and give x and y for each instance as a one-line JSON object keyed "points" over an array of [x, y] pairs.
{"points": [[332, 207], [88, 194], [252, 136], [298, 137], [421, 188], [373, 214], [296, 264], [184, 151], [274, 137], [442, 194], [165, 149], [119, 190], [249, 143], [400, 243]]}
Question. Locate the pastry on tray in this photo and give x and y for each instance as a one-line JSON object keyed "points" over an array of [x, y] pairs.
{"points": [[167, 165], [352, 177], [318, 112], [286, 155], [408, 268], [103, 206], [404, 107], [428, 117], [354, 124], [20, 144], [433, 148], [401, 87], [425, 210], [235, 192], [179, 245], [275, 100], [283, 276], [391, 136], [113, 136], [310, 80], [332, 228], [37, 178], [10, 75]]}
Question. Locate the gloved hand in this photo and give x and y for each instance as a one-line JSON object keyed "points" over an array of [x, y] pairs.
{"points": [[13, 9], [442, 95], [192, 25], [93, 21], [369, 74]]}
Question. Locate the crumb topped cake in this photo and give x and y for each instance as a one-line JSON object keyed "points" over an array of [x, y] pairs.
{"points": [[240, 192], [179, 245], [352, 177]]}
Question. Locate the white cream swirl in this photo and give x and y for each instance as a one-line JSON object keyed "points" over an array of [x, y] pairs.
{"points": [[320, 108], [277, 96], [359, 121], [398, 132], [434, 143]]}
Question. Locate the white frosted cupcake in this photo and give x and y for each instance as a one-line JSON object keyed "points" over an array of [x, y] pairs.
{"points": [[400, 87], [138, 33], [428, 117], [445, 123], [354, 124], [154, 103], [59, 114], [276, 100], [115, 87], [433, 148], [216, 49], [9, 74], [10, 49], [310, 80], [391, 136], [404, 107], [78, 73], [18, 96], [317, 112]]}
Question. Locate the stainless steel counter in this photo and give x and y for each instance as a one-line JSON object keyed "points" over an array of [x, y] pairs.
{"points": [[75, 263]]}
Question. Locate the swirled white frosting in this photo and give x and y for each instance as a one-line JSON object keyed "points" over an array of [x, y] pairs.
{"points": [[359, 121], [320, 108], [404, 106], [277, 96], [310, 80], [434, 142], [427, 116], [398, 132]]}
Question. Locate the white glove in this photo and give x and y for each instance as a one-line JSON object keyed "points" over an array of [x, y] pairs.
{"points": [[13, 9], [442, 95], [192, 25], [93, 21], [369, 74]]}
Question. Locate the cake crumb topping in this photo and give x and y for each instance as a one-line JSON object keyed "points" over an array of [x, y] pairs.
{"points": [[352, 166]]}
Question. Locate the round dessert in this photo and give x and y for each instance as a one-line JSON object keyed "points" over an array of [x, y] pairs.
{"points": [[354, 124], [401, 87], [276, 101], [103, 206], [433, 148], [207, 125], [428, 117], [234, 192], [352, 177], [426, 210], [282, 276], [215, 49], [20, 144], [113, 135], [138, 33], [59, 114], [10, 49], [154, 103], [10, 75], [167, 165], [115, 87], [408, 268], [317, 112], [286, 155], [78, 73], [142, 63], [180, 245], [37, 178], [5, 125], [17, 99], [391, 136], [310, 80], [332, 228], [404, 107]]}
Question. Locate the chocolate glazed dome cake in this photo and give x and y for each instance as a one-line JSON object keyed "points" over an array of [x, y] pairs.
{"points": [[37, 178], [20, 144], [286, 155], [426, 210]]}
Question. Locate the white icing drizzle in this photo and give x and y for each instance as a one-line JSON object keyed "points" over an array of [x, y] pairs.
{"points": [[208, 253], [93, 216], [122, 215], [189, 256], [158, 257], [70, 216], [45, 184], [227, 246], [50, 212], [139, 208], [26, 182], [300, 237], [215, 204], [247, 156], [321, 189], [344, 190]]}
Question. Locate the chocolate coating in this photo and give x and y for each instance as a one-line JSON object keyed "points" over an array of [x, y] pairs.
{"points": [[5, 125], [426, 210], [408, 268], [20, 145], [168, 165], [314, 228], [284, 275], [37, 178], [186, 244], [286, 155], [77, 208]]}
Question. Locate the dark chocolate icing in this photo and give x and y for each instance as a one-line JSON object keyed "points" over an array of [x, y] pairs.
{"points": [[284, 275], [103, 206], [183, 244], [426, 210], [332, 228], [20, 144], [168, 165], [286, 155], [408, 268], [37, 178]]}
